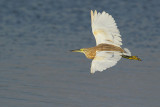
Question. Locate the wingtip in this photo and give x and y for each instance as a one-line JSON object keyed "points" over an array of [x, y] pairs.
{"points": [[91, 13], [95, 12], [91, 17], [92, 71]]}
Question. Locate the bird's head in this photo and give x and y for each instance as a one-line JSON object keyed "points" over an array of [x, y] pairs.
{"points": [[86, 51]]}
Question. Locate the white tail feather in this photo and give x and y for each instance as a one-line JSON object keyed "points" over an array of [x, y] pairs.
{"points": [[127, 52]]}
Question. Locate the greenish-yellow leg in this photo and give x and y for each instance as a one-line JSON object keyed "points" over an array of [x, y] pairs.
{"points": [[131, 57]]}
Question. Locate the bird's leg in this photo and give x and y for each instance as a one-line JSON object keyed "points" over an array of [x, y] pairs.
{"points": [[131, 57]]}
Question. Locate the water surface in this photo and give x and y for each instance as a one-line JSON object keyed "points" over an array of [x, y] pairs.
{"points": [[36, 69]]}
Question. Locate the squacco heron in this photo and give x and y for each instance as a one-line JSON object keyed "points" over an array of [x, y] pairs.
{"points": [[107, 51]]}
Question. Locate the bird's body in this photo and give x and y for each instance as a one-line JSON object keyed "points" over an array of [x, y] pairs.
{"points": [[108, 39], [91, 52]]}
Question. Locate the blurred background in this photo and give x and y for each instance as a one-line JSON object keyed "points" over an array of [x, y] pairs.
{"points": [[37, 70]]}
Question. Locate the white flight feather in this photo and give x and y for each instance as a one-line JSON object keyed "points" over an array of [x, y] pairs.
{"points": [[105, 29], [104, 60]]}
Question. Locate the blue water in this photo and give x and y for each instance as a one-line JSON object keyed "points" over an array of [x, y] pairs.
{"points": [[36, 69]]}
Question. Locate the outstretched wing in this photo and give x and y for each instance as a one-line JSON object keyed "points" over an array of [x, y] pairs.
{"points": [[104, 60], [105, 29]]}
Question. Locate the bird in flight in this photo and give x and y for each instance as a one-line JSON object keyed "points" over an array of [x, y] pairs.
{"points": [[107, 51]]}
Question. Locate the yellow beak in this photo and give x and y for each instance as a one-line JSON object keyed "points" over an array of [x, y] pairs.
{"points": [[77, 50]]}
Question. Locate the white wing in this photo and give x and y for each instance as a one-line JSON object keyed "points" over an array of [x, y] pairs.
{"points": [[104, 60], [105, 29]]}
